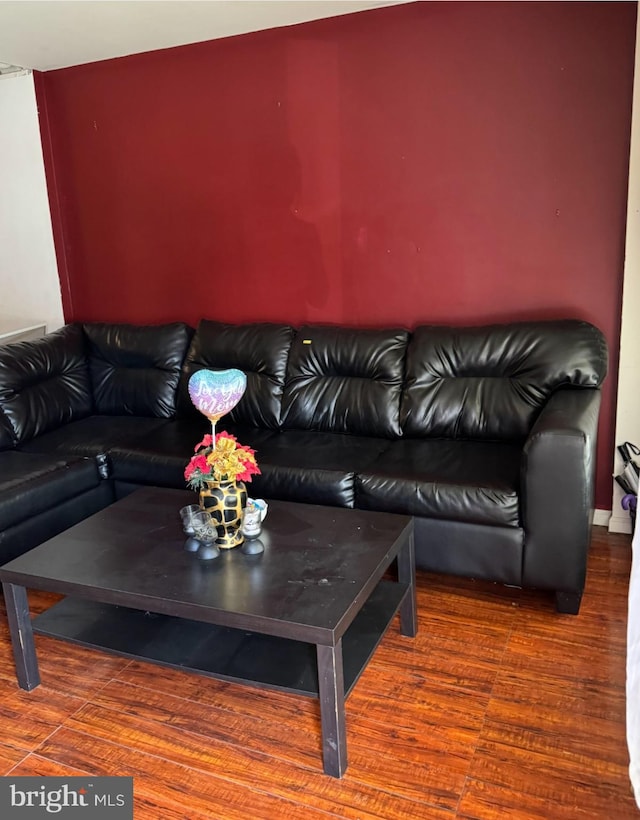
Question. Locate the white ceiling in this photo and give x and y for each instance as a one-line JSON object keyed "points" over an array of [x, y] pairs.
{"points": [[48, 34]]}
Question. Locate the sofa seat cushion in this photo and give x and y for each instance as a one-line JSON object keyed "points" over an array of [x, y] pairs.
{"points": [[31, 484], [93, 435], [160, 457], [468, 481], [315, 468]]}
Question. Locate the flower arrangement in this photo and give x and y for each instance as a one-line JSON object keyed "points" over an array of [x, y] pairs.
{"points": [[222, 460]]}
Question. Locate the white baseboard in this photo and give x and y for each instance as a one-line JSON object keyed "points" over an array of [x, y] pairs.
{"points": [[601, 518], [620, 522]]}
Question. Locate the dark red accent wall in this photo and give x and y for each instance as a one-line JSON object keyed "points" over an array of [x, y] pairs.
{"points": [[428, 162]]}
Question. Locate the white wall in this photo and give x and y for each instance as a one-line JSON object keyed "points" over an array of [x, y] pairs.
{"points": [[628, 409], [29, 281]]}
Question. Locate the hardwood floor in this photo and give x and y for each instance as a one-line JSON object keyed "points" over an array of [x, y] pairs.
{"points": [[499, 708]]}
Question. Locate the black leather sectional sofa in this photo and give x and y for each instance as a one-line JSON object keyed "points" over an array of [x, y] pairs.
{"points": [[485, 434]]}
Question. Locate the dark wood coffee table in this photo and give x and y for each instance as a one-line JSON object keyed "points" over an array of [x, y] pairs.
{"points": [[304, 616]]}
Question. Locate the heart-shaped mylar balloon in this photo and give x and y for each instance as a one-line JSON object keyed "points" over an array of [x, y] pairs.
{"points": [[216, 392]]}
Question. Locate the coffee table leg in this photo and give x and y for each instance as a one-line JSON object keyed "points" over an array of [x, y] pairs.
{"points": [[24, 650], [332, 715], [407, 575]]}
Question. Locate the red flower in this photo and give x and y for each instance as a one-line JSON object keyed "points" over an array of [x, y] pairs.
{"points": [[207, 441], [198, 462]]}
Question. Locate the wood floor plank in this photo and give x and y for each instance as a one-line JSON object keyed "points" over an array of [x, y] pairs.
{"points": [[26, 718], [539, 769], [243, 772], [173, 789], [293, 741], [452, 663], [416, 765], [150, 801], [599, 626], [10, 757], [559, 656], [34, 765], [73, 669], [443, 615], [406, 755], [245, 700], [571, 743], [418, 702], [65, 667], [573, 801], [409, 751], [606, 703]]}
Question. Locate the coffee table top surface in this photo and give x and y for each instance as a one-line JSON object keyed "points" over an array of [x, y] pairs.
{"points": [[318, 567]]}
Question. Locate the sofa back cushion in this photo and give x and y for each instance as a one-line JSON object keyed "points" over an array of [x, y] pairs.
{"points": [[491, 382], [44, 383], [135, 369], [345, 380], [260, 350]]}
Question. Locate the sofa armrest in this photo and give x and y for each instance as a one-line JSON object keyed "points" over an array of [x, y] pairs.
{"points": [[557, 476]]}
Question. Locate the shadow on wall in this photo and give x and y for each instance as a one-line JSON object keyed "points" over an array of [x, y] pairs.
{"points": [[277, 244]]}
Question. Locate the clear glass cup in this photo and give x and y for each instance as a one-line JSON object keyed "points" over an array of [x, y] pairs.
{"points": [[204, 527], [186, 514], [206, 532], [254, 514]]}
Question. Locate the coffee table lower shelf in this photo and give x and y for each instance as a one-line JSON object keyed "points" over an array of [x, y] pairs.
{"points": [[216, 651]]}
